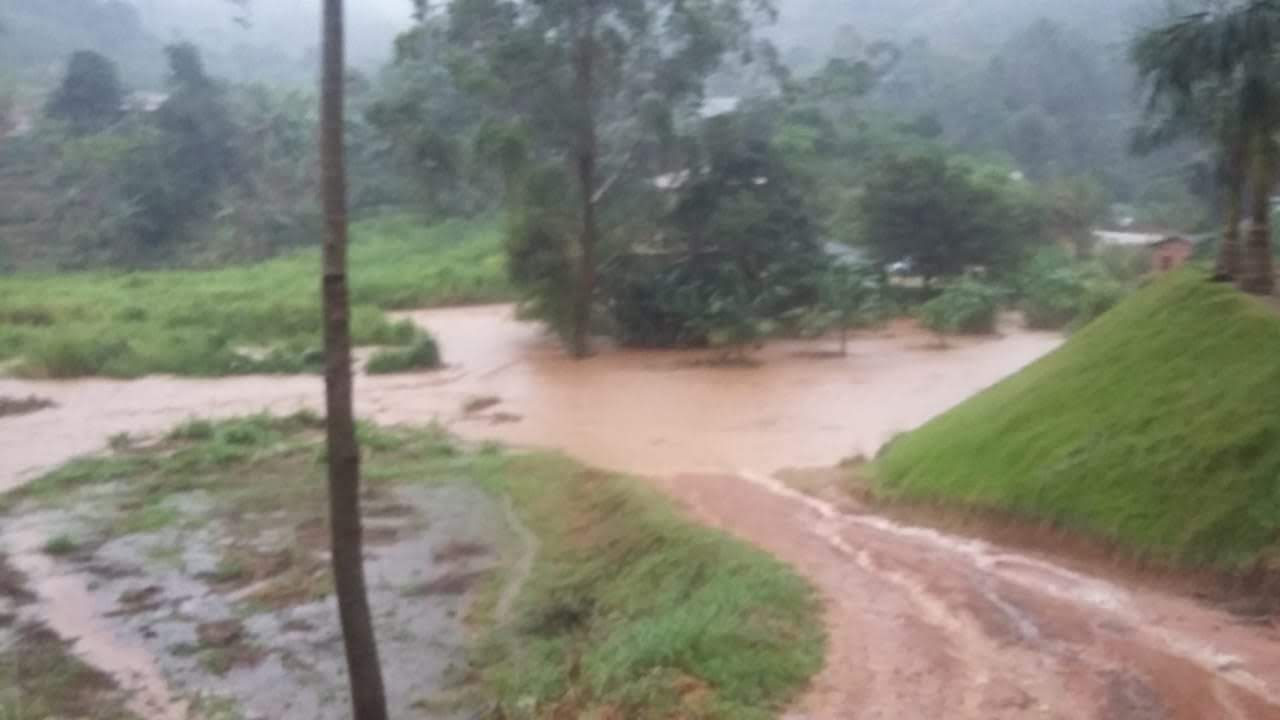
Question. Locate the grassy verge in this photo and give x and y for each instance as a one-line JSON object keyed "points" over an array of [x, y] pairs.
{"points": [[256, 318], [1153, 428], [629, 611]]}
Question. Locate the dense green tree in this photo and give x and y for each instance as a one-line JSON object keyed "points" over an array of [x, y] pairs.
{"points": [[90, 98], [943, 217], [747, 208], [738, 242], [602, 85], [198, 147], [429, 120], [270, 206]]}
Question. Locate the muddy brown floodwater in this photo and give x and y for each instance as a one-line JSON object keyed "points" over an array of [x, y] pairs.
{"points": [[922, 624]]}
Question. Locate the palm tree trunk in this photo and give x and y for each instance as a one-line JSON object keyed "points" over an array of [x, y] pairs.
{"points": [[1227, 267], [368, 697], [584, 88], [1258, 275]]}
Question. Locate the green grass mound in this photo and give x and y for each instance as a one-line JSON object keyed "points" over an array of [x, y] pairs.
{"points": [[242, 319], [1156, 427]]}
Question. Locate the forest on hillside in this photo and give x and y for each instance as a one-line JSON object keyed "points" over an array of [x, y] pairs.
{"points": [[732, 149]]}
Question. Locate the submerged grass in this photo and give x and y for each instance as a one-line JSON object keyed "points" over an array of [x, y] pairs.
{"points": [[1154, 427], [253, 318], [421, 354], [630, 609]]}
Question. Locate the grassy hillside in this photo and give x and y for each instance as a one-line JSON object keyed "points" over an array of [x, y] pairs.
{"points": [[200, 322], [1157, 426]]}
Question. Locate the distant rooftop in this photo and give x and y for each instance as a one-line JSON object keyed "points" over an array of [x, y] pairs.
{"points": [[714, 106]]}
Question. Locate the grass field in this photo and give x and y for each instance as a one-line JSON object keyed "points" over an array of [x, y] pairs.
{"points": [[630, 609], [253, 318], [1155, 427]]}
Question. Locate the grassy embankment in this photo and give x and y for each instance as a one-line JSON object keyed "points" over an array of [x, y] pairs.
{"points": [[254, 318], [1155, 428], [630, 609]]}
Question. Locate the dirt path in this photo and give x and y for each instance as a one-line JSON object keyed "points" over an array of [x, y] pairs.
{"points": [[922, 624], [927, 625]]}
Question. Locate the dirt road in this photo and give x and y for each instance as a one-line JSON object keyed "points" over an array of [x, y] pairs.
{"points": [[923, 625], [926, 625]]}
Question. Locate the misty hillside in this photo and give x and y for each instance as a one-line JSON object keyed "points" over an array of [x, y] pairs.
{"points": [[957, 25], [274, 40], [264, 40], [292, 26]]}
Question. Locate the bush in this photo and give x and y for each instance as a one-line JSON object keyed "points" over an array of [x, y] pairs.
{"points": [[966, 306], [73, 355], [1052, 300], [422, 354], [1058, 292]]}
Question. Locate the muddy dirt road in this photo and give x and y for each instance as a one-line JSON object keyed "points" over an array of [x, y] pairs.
{"points": [[923, 625]]}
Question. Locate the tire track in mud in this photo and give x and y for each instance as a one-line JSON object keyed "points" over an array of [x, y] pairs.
{"points": [[923, 624]]}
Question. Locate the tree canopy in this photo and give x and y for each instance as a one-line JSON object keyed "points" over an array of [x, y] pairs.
{"points": [[944, 218], [90, 98]]}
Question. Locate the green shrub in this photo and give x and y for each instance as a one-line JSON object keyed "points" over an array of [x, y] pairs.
{"points": [[422, 354], [1058, 292], [72, 355], [967, 306]]}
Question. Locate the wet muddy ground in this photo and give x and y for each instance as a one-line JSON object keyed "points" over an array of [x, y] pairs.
{"points": [[922, 624], [200, 618]]}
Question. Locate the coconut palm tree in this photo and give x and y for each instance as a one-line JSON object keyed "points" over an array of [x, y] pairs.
{"points": [[1173, 117], [368, 697], [1226, 53]]}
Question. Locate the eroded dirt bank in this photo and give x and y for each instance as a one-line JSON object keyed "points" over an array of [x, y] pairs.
{"points": [[922, 624]]}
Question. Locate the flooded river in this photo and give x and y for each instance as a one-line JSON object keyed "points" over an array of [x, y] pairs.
{"points": [[649, 413], [921, 623]]}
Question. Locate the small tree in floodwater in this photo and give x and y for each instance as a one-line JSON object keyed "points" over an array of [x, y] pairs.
{"points": [[368, 697], [844, 295]]}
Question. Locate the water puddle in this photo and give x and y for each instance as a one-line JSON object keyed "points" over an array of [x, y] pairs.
{"points": [[65, 603], [149, 609]]}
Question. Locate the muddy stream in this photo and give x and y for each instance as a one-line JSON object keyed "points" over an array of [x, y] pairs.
{"points": [[922, 624]]}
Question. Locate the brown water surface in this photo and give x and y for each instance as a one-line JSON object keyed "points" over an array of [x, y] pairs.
{"points": [[650, 413]]}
